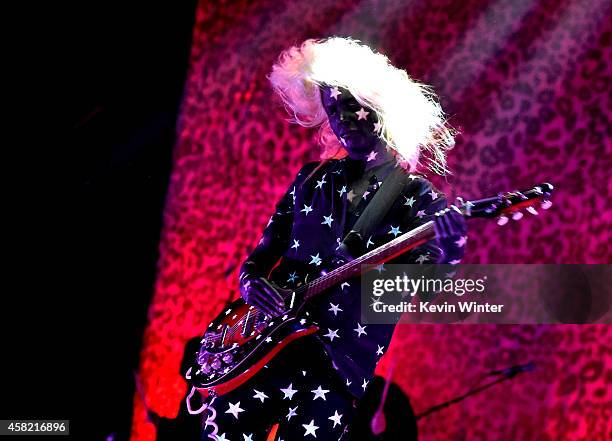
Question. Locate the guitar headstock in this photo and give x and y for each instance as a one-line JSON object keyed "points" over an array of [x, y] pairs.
{"points": [[510, 204]]}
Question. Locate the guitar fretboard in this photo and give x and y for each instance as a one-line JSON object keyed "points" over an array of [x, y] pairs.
{"points": [[377, 256]]}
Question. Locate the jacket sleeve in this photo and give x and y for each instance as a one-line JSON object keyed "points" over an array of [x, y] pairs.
{"points": [[277, 233], [422, 201]]}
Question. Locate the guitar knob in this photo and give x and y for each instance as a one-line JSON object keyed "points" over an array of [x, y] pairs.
{"points": [[202, 358], [503, 220], [216, 364], [546, 205], [518, 215], [227, 358]]}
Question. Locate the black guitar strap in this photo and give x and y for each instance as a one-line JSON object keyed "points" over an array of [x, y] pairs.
{"points": [[393, 185]]}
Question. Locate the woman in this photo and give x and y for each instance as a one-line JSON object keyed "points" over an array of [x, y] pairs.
{"points": [[373, 117]]}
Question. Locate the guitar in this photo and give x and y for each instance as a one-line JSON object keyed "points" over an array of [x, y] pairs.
{"points": [[242, 339]]}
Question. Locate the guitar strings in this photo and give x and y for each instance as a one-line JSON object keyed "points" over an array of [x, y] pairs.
{"points": [[328, 279]]}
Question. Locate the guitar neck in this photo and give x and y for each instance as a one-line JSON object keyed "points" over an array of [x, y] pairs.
{"points": [[382, 254], [502, 205]]}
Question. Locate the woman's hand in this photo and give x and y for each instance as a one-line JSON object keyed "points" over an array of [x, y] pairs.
{"points": [[258, 292]]}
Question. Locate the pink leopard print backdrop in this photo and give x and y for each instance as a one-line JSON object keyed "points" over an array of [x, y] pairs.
{"points": [[528, 85]]}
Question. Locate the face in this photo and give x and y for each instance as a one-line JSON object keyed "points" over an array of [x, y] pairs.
{"points": [[354, 125]]}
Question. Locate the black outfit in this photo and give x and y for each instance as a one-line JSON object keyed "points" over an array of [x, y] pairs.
{"points": [[309, 222]]}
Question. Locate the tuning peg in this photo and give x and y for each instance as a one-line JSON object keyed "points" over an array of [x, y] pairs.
{"points": [[532, 211], [546, 205], [502, 220], [517, 215]]}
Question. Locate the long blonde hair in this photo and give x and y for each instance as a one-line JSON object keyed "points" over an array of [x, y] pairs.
{"points": [[413, 123]]}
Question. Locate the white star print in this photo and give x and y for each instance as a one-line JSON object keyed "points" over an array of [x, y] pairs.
{"points": [[365, 384], [296, 244], [335, 418], [369, 242], [327, 220], [362, 114], [234, 409], [410, 201], [422, 258], [332, 334], [420, 213], [345, 284], [292, 277], [342, 190], [334, 93], [372, 156], [376, 302], [379, 351], [433, 195], [348, 383], [292, 412], [259, 395], [351, 195], [461, 242], [222, 438], [247, 437], [307, 209], [321, 182], [319, 393], [289, 392], [310, 428], [380, 268], [395, 231], [360, 330], [335, 308], [315, 260], [365, 194], [377, 127]]}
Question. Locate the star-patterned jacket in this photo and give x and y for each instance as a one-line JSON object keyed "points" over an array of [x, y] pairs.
{"points": [[310, 221]]}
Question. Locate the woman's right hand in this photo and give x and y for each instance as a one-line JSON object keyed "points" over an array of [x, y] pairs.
{"points": [[259, 292]]}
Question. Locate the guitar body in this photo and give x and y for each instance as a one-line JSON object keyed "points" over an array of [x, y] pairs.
{"points": [[242, 340]]}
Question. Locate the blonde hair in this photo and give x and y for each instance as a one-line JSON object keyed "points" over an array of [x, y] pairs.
{"points": [[413, 122]]}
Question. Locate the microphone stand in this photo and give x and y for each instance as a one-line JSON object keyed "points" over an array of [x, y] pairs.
{"points": [[507, 375]]}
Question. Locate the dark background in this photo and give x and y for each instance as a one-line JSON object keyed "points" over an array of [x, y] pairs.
{"points": [[86, 186]]}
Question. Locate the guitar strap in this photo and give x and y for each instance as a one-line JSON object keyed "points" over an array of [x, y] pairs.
{"points": [[393, 185]]}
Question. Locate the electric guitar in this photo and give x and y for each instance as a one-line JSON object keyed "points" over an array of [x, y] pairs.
{"points": [[242, 339]]}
